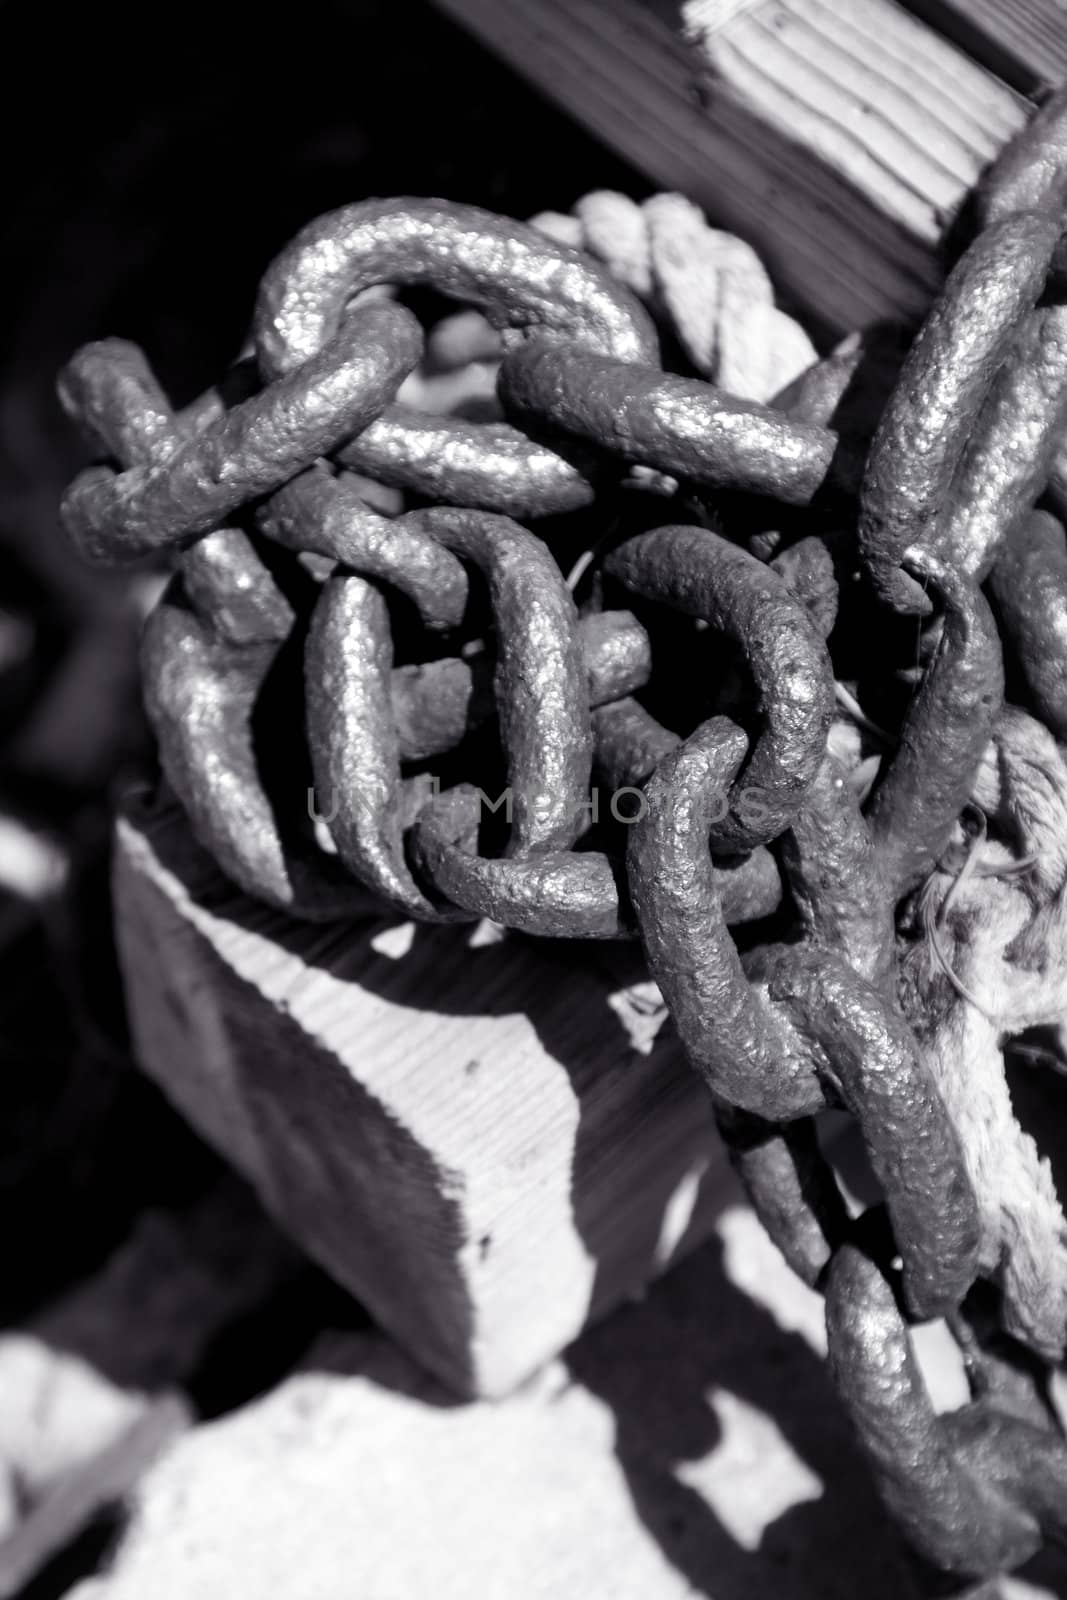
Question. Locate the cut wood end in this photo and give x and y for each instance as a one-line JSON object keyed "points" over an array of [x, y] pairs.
{"points": [[465, 1136]]}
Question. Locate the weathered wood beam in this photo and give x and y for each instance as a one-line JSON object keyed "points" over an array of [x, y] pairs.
{"points": [[838, 136], [1022, 41], [487, 1143]]}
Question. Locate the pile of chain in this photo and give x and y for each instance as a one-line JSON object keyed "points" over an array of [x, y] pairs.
{"points": [[773, 654]]}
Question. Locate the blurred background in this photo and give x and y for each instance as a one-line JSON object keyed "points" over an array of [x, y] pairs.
{"points": [[155, 165]]}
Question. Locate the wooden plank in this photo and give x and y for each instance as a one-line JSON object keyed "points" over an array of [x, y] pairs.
{"points": [[487, 1142], [838, 136], [1022, 41]]}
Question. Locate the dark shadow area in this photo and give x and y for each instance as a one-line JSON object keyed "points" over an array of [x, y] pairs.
{"points": [[1035, 1069], [657, 1365], [79, 1559], [155, 182], [255, 1351]]}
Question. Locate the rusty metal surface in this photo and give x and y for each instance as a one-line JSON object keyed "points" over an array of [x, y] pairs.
{"points": [[694, 662]]}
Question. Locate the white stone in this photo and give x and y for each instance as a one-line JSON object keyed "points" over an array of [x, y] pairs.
{"points": [[688, 1446]]}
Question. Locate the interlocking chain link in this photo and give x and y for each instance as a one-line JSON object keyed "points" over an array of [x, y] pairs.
{"points": [[308, 639]]}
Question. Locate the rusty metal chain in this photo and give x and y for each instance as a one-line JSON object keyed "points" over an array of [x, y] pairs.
{"points": [[305, 633]]}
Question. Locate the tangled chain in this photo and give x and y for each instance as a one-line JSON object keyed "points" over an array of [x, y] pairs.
{"points": [[719, 626]]}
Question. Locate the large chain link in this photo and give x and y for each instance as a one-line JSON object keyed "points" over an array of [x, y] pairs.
{"points": [[307, 638]]}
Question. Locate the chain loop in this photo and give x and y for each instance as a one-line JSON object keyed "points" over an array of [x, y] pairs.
{"points": [[525, 283], [703, 575], [678, 425], [321, 638], [947, 728], [256, 447], [208, 650], [975, 1489], [1029, 585], [944, 383]]}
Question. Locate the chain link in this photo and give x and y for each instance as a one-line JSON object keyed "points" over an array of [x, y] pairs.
{"points": [[305, 634]]}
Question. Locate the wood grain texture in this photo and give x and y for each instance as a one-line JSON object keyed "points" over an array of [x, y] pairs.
{"points": [[838, 136], [463, 1134], [1022, 41]]}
